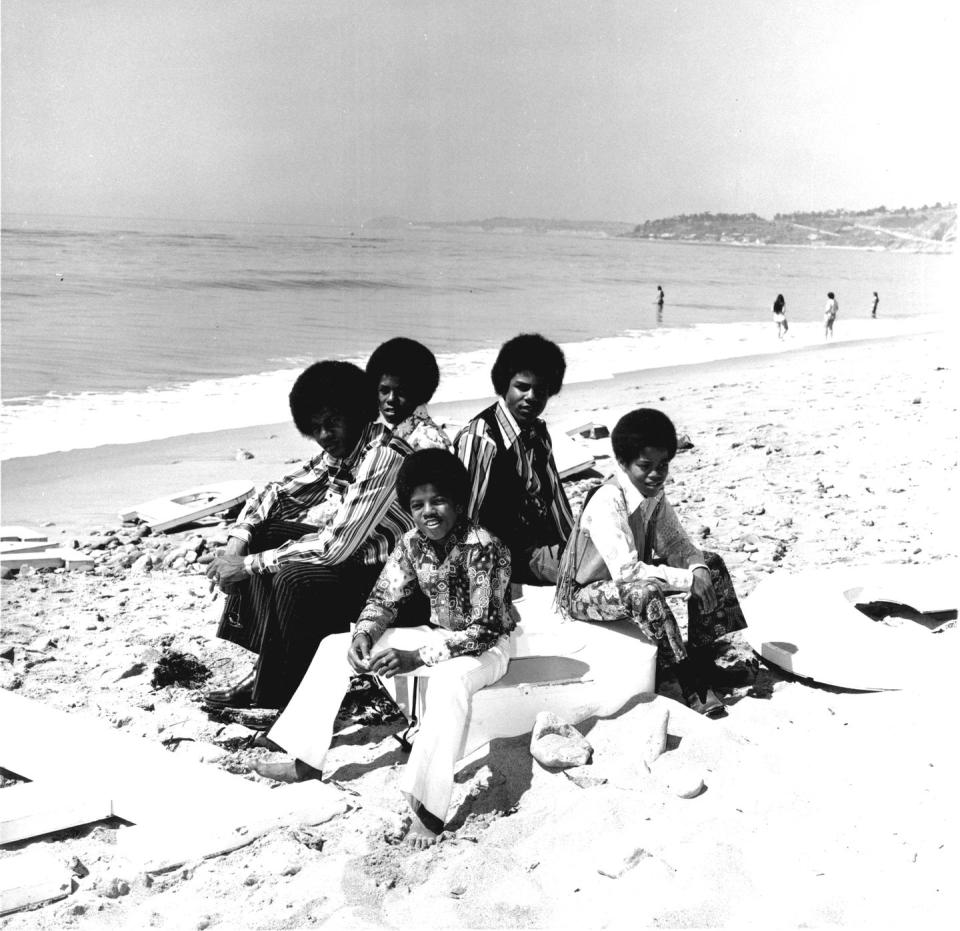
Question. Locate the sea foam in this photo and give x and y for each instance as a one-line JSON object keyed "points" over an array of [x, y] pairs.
{"points": [[35, 426]]}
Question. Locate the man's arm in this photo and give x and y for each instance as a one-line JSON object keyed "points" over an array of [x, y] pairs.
{"points": [[670, 540], [476, 450], [396, 583], [259, 507], [365, 504]]}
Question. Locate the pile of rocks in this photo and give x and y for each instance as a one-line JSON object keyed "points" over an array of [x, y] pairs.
{"points": [[135, 547]]}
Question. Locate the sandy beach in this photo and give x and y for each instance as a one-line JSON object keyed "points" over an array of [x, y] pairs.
{"points": [[823, 807]]}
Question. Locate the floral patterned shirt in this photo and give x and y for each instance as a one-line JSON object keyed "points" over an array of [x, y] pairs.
{"points": [[420, 431], [466, 577]]}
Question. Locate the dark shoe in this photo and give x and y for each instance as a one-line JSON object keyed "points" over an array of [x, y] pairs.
{"points": [[237, 696], [286, 770], [261, 740], [706, 703], [740, 669]]}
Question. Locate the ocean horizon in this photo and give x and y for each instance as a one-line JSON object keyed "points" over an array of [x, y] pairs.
{"points": [[122, 331]]}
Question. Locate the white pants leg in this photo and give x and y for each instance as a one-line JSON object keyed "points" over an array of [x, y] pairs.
{"points": [[305, 727], [428, 775]]}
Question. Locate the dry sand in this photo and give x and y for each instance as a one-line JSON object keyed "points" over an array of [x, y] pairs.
{"points": [[822, 807]]}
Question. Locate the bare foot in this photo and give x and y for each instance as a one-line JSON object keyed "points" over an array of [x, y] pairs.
{"points": [[413, 832], [418, 835]]}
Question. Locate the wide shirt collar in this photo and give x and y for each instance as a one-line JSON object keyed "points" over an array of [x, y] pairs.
{"points": [[631, 494], [511, 430], [370, 433]]}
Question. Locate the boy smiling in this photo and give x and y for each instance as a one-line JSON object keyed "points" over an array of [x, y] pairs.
{"points": [[465, 573], [628, 550]]}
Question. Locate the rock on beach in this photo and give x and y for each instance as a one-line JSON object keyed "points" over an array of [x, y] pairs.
{"points": [[557, 744]]}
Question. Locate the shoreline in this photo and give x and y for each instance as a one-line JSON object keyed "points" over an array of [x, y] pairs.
{"points": [[66, 489]]}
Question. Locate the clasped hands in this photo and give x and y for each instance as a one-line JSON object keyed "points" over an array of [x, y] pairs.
{"points": [[387, 663]]}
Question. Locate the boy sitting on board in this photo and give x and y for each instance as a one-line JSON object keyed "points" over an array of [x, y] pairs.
{"points": [[465, 573], [628, 550]]}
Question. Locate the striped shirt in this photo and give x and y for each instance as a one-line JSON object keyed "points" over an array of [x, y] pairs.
{"points": [[352, 501], [476, 448]]}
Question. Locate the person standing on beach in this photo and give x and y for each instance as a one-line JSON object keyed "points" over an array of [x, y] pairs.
{"points": [[406, 375], [515, 489], [660, 297], [876, 303], [829, 315], [307, 549], [780, 316]]}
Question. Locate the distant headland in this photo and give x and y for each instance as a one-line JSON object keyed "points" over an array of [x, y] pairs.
{"points": [[913, 229]]}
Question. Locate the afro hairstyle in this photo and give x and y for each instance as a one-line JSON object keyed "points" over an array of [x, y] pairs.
{"points": [[411, 362], [641, 428], [341, 387], [434, 467], [529, 352]]}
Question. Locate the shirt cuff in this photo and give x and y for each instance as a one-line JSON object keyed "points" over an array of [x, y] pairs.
{"points": [[369, 628], [432, 654], [689, 574], [241, 532], [679, 580], [260, 563]]}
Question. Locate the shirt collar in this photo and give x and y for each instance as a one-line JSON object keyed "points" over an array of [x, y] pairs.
{"points": [[406, 426], [370, 432], [631, 494], [509, 427], [457, 535]]}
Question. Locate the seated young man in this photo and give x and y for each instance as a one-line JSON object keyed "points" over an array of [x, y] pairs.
{"points": [[306, 551], [465, 573], [515, 490], [609, 570], [406, 375]]}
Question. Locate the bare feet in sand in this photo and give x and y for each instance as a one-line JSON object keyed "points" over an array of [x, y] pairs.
{"points": [[418, 835], [413, 832]]}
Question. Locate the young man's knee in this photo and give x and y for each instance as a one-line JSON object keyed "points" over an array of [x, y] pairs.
{"points": [[297, 580]]}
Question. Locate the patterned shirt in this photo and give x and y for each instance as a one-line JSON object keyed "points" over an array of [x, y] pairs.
{"points": [[420, 431], [605, 519], [466, 577], [476, 449], [352, 502]]}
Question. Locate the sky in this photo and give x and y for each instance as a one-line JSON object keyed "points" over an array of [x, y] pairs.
{"points": [[342, 110]]}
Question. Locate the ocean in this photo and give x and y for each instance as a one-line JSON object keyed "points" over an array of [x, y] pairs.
{"points": [[120, 331]]}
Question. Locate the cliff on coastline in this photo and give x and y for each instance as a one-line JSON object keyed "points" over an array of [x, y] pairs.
{"points": [[914, 229]]}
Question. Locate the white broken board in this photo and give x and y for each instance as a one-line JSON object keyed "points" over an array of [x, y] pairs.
{"points": [[31, 878], [182, 809], [55, 557], [807, 623], [30, 809], [189, 505]]}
